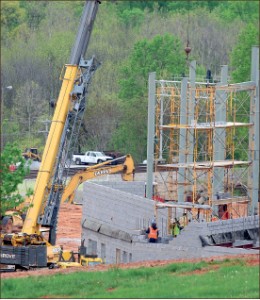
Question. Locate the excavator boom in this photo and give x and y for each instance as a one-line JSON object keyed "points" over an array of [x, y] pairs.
{"points": [[127, 169]]}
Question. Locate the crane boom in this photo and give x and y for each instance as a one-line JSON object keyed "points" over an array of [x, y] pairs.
{"points": [[65, 125], [41, 191], [84, 31]]}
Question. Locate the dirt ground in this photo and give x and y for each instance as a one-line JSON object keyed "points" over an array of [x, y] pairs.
{"points": [[69, 235]]}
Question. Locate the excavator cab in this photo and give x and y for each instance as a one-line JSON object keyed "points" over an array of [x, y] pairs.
{"points": [[31, 153]]}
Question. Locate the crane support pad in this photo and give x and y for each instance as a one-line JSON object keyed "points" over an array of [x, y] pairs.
{"points": [[24, 256]]}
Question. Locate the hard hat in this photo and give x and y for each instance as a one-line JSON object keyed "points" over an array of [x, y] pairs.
{"points": [[153, 222]]}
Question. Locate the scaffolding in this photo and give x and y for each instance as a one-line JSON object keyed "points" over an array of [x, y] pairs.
{"points": [[205, 140]]}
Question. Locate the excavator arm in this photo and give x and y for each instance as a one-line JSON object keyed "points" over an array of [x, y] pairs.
{"points": [[127, 169]]}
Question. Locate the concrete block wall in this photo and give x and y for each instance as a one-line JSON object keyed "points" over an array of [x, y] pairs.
{"points": [[114, 251], [133, 187], [231, 225], [120, 209], [108, 208]]}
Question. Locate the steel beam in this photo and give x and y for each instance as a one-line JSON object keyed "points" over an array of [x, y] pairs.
{"points": [[150, 136]]}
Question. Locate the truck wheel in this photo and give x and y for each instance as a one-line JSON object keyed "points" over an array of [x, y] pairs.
{"points": [[99, 161], [7, 224], [78, 161]]}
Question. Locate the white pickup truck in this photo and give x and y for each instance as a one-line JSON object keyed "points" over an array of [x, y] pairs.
{"points": [[90, 157]]}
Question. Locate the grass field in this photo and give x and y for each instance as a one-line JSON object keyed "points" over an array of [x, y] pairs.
{"points": [[217, 279]]}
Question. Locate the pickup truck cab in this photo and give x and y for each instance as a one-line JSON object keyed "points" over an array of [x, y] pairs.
{"points": [[91, 157]]}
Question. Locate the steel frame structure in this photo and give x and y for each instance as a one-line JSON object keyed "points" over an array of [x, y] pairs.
{"points": [[204, 140]]}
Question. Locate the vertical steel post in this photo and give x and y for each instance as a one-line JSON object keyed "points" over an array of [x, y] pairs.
{"points": [[182, 137], [254, 118], [219, 139], [150, 136], [191, 116], [161, 123]]}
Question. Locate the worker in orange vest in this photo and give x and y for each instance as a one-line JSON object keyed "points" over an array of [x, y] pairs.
{"points": [[153, 232]]}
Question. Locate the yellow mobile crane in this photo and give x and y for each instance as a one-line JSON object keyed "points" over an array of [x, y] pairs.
{"points": [[30, 248]]}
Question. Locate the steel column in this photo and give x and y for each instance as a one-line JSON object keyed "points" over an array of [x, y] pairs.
{"points": [[182, 137], [254, 117], [150, 136]]}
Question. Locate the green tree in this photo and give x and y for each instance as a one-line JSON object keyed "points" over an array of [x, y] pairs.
{"points": [[35, 12], [246, 11], [132, 17], [241, 54], [164, 55], [9, 180], [11, 14], [241, 63]]}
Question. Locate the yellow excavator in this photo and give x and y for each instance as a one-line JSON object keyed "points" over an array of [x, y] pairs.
{"points": [[30, 248], [31, 153]]}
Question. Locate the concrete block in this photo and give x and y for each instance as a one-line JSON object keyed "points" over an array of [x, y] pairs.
{"points": [[115, 233], [92, 225]]}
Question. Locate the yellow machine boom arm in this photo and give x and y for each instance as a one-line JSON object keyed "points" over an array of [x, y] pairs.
{"points": [[41, 189], [127, 169]]}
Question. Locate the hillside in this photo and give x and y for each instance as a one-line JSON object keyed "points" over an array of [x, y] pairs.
{"points": [[131, 39]]}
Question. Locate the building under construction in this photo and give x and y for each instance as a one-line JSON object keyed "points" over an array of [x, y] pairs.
{"points": [[202, 161], [206, 141]]}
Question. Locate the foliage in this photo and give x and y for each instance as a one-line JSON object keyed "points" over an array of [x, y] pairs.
{"points": [[241, 63], [241, 54], [246, 11], [11, 15], [10, 197], [35, 12], [162, 54], [171, 281], [132, 18], [37, 38], [167, 6]]}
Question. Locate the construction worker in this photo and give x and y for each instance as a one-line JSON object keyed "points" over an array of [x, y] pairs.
{"points": [[183, 221], [153, 233], [175, 227], [225, 215]]}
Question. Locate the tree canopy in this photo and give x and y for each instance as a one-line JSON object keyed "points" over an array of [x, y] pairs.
{"points": [[241, 54], [131, 39], [12, 172]]}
